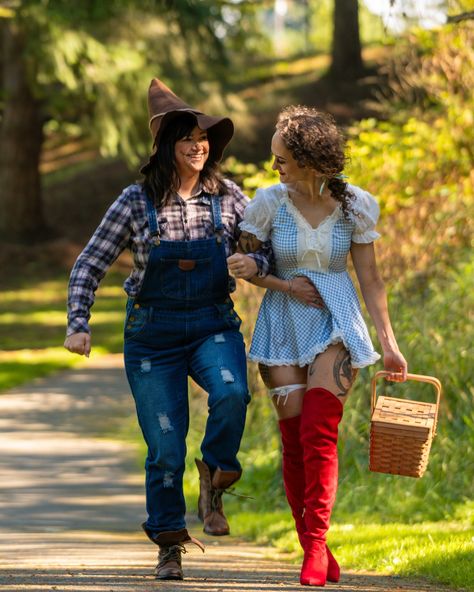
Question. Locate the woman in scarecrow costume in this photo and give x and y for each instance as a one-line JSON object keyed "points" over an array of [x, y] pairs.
{"points": [[180, 224]]}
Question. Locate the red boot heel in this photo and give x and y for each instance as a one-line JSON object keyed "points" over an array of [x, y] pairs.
{"points": [[334, 571]]}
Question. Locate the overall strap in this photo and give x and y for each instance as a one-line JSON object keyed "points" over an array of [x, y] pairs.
{"points": [[217, 217], [151, 215]]}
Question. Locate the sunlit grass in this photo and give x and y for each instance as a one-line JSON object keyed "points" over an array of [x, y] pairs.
{"points": [[439, 551], [17, 367], [310, 66], [50, 292], [33, 326], [54, 318]]}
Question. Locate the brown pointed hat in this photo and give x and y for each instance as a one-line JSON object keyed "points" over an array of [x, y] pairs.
{"points": [[164, 106]]}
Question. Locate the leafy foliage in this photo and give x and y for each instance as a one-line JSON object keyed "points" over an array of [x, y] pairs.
{"points": [[91, 63]]}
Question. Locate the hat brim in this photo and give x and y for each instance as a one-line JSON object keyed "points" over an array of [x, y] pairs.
{"points": [[219, 130]]}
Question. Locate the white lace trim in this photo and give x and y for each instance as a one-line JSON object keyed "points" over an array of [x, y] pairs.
{"points": [[363, 238], [259, 233], [336, 337]]}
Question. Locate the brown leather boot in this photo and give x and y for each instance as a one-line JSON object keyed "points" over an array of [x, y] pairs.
{"points": [[210, 507], [171, 545], [169, 562]]}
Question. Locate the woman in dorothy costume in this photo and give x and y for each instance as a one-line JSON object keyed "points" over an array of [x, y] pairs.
{"points": [[310, 337]]}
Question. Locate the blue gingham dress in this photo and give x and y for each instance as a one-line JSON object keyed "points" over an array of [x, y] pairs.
{"points": [[288, 332]]}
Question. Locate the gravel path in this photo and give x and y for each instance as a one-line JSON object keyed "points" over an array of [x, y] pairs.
{"points": [[71, 503]]}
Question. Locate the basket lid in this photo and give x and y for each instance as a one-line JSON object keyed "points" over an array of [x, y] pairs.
{"points": [[404, 414]]}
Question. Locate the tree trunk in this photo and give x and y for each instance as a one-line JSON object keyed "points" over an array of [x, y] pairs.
{"points": [[21, 138], [346, 47]]}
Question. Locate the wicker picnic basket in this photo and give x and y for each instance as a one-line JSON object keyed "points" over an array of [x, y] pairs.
{"points": [[401, 431]]}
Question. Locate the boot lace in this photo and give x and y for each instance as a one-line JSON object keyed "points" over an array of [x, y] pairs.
{"points": [[171, 553], [216, 497]]}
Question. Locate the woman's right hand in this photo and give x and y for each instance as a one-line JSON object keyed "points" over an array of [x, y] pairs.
{"points": [[395, 363], [79, 343], [303, 289]]}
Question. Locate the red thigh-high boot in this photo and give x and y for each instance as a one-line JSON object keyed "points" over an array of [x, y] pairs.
{"points": [[293, 470], [294, 482], [321, 414]]}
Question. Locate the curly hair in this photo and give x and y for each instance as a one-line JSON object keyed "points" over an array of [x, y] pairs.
{"points": [[315, 142]]}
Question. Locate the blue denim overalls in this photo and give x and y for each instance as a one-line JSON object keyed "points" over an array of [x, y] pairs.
{"points": [[182, 323]]}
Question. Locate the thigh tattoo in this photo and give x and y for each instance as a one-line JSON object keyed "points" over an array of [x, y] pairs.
{"points": [[343, 373], [248, 243]]}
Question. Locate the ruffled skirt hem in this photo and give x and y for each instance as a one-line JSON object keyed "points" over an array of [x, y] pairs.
{"points": [[308, 357]]}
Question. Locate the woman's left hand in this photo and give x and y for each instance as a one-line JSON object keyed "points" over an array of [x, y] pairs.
{"points": [[242, 266], [395, 363]]}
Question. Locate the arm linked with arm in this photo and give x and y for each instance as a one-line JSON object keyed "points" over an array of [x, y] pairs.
{"points": [[299, 287], [253, 257], [253, 253], [253, 243]]}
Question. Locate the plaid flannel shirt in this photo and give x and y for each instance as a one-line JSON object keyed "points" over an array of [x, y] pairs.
{"points": [[125, 225]]}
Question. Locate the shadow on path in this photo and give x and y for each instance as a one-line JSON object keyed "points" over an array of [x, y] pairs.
{"points": [[57, 474], [105, 562]]}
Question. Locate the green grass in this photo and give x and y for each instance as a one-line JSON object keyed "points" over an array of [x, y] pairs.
{"points": [[25, 365], [438, 551], [33, 325]]}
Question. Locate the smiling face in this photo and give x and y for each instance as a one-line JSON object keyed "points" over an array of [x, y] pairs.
{"points": [[191, 152], [285, 164]]}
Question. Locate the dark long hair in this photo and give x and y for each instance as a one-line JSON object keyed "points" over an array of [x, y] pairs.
{"points": [[162, 178], [314, 141]]}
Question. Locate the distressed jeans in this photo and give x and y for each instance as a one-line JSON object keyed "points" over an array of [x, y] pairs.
{"points": [[163, 348]]}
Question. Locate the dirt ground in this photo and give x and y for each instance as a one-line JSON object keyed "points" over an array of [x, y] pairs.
{"points": [[71, 503]]}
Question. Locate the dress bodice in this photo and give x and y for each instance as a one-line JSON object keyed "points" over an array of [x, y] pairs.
{"points": [[320, 249], [272, 215]]}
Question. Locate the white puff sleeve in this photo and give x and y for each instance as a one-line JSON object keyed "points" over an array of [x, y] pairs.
{"points": [[260, 211], [365, 216]]}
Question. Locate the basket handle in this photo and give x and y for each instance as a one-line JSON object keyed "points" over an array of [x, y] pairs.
{"points": [[420, 378]]}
